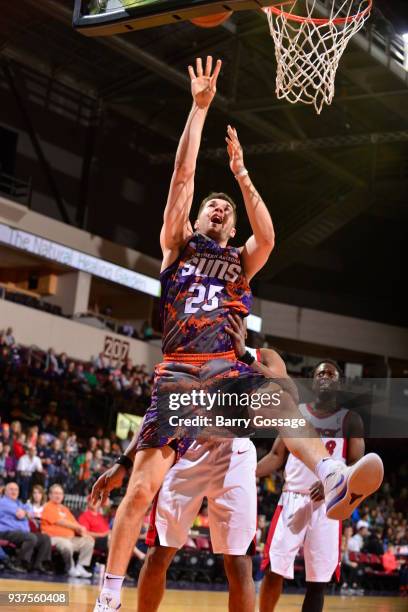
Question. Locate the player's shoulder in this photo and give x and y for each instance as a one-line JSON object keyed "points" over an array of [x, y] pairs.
{"points": [[353, 426], [271, 358]]}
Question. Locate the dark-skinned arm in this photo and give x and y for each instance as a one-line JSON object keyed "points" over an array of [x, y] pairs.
{"points": [[274, 460]]}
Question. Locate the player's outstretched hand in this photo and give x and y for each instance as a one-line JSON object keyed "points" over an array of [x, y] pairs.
{"points": [[109, 480], [316, 491], [236, 329], [204, 81], [235, 152]]}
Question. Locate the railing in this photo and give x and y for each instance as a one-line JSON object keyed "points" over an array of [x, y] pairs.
{"points": [[15, 188]]}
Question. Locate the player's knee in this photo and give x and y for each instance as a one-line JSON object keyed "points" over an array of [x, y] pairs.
{"points": [[238, 567], [272, 580], [159, 558], [139, 494], [315, 587]]}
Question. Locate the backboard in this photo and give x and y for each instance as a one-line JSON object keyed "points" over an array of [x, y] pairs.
{"points": [[108, 17]]}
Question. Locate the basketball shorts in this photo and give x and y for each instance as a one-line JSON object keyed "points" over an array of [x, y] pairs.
{"points": [[300, 523], [216, 373], [224, 472]]}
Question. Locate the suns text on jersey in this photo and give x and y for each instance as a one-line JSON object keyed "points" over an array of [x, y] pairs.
{"points": [[224, 268]]}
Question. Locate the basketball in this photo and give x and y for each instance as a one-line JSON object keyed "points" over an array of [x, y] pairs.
{"points": [[211, 21]]}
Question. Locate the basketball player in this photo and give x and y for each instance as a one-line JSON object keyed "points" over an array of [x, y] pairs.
{"points": [[203, 280], [300, 519], [223, 470]]}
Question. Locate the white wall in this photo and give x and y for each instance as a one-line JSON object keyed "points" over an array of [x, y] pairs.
{"points": [[76, 339], [22, 218], [332, 330], [73, 291]]}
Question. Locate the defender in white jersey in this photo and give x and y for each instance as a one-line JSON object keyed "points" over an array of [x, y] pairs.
{"points": [[300, 519], [224, 472]]}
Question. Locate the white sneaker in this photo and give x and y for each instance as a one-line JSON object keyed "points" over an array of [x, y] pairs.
{"points": [[73, 572], [347, 487], [81, 571], [104, 607]]}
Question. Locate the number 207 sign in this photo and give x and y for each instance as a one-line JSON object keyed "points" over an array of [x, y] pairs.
{"points": [[116, 349]]}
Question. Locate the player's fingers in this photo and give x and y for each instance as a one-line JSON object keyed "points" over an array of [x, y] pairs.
{"points": [[231, 332], [199, 67], [95, 494], [216, 73], [208, 65], [191, 73], [234, 325]]}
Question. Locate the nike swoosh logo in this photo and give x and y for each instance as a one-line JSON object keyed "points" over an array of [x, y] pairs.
{"points": [[242, 452], [338, 484]]}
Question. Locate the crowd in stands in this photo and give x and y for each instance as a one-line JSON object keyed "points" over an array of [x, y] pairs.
{"points": [[51, 445]]}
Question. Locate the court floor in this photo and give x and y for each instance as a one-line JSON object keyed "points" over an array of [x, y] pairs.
{"points": [[82, 599]]}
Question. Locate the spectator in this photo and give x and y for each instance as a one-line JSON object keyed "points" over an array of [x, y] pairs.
{"points": [[62, 363], [92, 444], [10, 463], [355, 543], [29, 466], [389, 560], [102, 363], [58, 465], [34, 549], [8, 337], [90, 377], [85, 467], [71, 445], [127, 330], [374, 543], [36, 503], [96, 525], [66, 534], [5, 435], [97, 464], [3, 471], [51, 361]]}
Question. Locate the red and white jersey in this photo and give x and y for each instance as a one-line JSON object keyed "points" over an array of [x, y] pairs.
{"points": [[255, 353], [298, 477]]}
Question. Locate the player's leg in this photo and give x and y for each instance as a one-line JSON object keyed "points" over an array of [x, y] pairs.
{"points": [[173, 513], [314, 597], [152, 578], [321, 552], [232, 508], [271, 589], [281, 548], [149, 469], [345, 487], [242, 596]]}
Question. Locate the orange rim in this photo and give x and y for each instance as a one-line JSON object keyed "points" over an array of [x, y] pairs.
{"points": [[337, 21]]}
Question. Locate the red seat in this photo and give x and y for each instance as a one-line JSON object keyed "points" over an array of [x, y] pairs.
{"points": [[202, 543], [6, 543]]}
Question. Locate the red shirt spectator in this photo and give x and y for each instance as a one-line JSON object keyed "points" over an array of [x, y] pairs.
{"points": [[389, 561], [94, 522]]}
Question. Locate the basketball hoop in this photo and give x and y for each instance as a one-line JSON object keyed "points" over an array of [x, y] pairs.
{"points": [[308, 47]]}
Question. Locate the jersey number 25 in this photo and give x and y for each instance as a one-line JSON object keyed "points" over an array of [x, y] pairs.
{"points": [[204, 298]]}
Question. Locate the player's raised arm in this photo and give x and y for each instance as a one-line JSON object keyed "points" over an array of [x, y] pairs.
{"points": [[176, 226], [259, 246], [274, 460]]}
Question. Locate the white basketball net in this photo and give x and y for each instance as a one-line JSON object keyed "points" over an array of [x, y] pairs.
{"points": [[308, 46]]}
